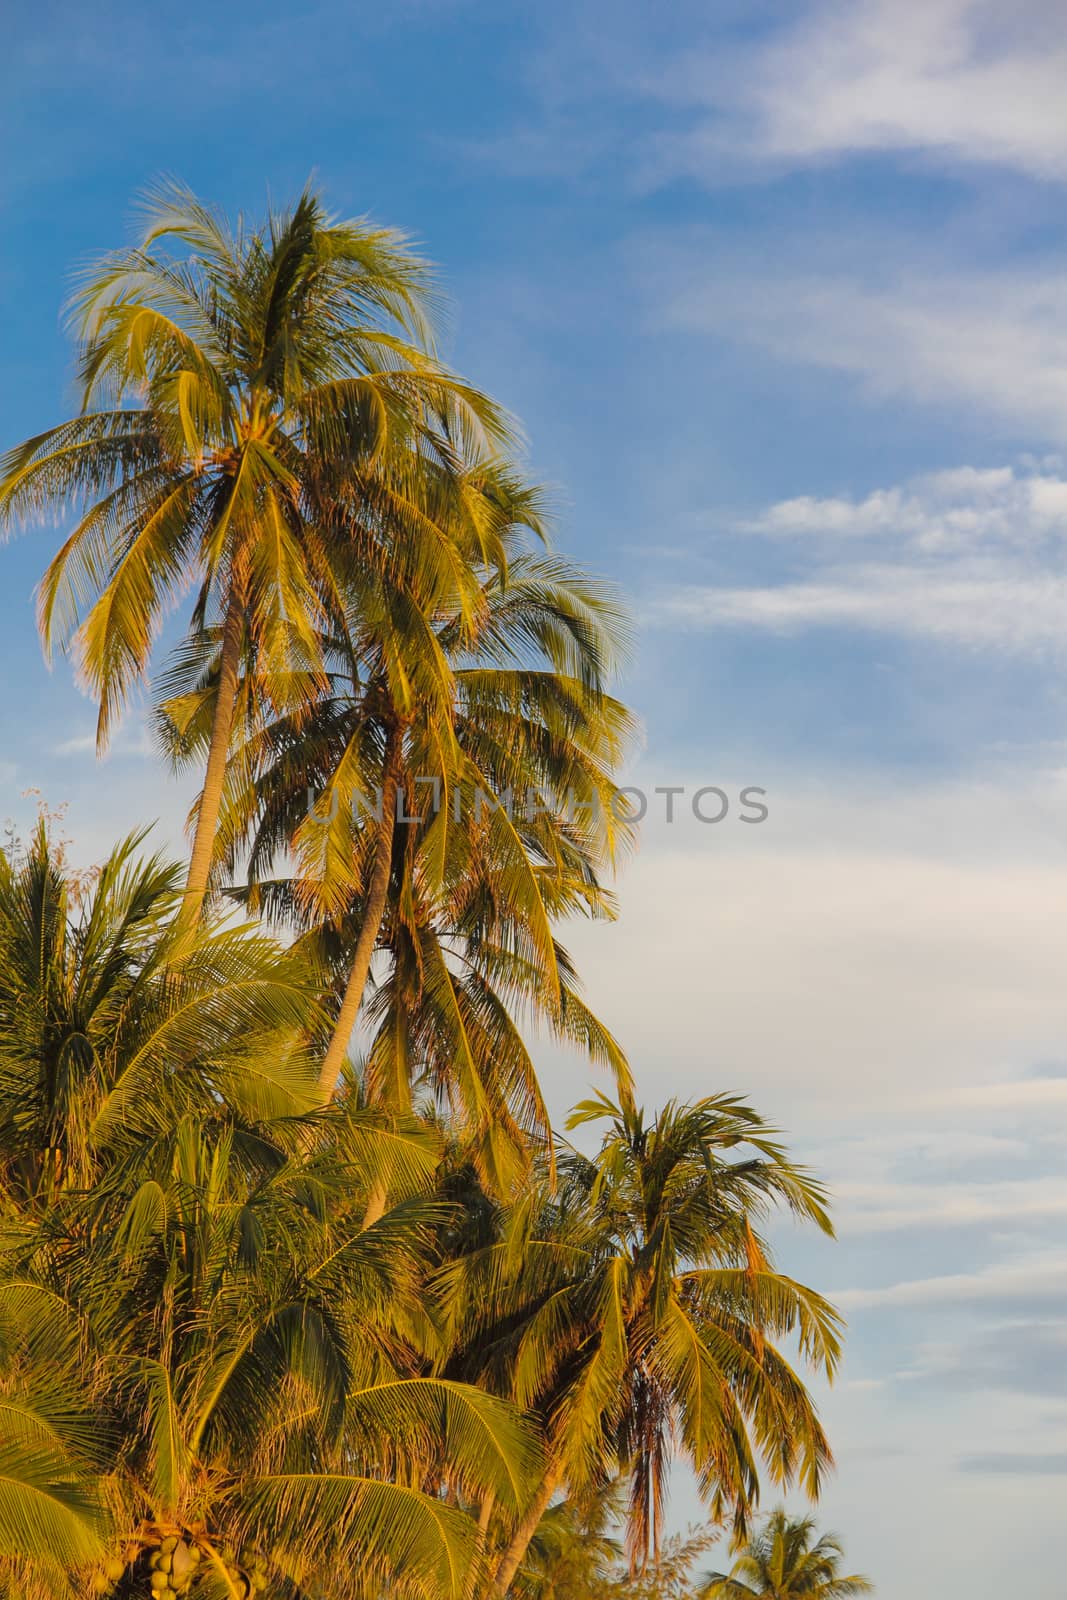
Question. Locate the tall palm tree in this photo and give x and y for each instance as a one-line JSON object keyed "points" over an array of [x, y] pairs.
{"points": [[230, 380], [212, 1375], [786, 1560], [391, 602], [638, 1304], [463, 896]]}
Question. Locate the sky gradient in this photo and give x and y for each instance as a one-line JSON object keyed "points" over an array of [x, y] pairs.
{"points": [[777, 291]]}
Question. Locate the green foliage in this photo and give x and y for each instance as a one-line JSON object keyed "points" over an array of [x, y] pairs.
{"points": [[787, 1560], [257, 1338], [574, 1556], [200, 1341], [637, 1303], [475, 889], [228, 376]]}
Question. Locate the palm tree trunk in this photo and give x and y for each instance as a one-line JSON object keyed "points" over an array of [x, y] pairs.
{"points": [[477, 1573], [207, 816], [485, 1514], [520, 1539], [375, 1205], [373, 912]]}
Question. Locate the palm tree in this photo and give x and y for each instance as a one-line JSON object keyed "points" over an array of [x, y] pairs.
{"points": [[573, 1557], [111, 1028], [265, 366], [638, 1304], [212, 1376], [463, 897], [786, 1561]]}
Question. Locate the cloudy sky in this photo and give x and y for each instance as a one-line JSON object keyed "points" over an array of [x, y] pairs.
{"points": [[778, 292]]}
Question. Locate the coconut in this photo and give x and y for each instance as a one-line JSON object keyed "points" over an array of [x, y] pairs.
{"points": [[182, 1562]]}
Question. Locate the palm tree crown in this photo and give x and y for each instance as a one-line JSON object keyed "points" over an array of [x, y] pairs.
{"points": [[510, 816], [637, 1304], [231, 380], [786, 1560]]}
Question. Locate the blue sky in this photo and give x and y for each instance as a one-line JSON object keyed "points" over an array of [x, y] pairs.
{"points": [[778, 293]]}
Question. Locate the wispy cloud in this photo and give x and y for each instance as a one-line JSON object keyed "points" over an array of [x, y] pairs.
{"points": [[958, 80], [1023, 1351], [968, 556], [905, 323], [956, 83], [1027, 1093], [1041, 1280], [78, 744], [959, 509], [985, 605], [870, 1208], [978, 605], [1018, 1463], [900, 976], [132, 739]]}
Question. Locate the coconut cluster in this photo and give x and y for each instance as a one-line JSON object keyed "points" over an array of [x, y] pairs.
{"points": [[172, 1566], [174, 1563]]}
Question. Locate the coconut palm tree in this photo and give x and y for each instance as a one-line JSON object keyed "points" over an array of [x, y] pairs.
{"points": [[255, 1344], [463, 896], [638, 1303], [573, 1557], [111, 1030], [213, 1377], [231, 380], [786, 1560], [574, 1554]]}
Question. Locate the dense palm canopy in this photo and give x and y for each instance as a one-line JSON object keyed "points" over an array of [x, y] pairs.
{"points": [[261, 412], [201, 1342], [259, 1337], [787, 1560], [574, 1555], [509, 816], [637, 1302]]}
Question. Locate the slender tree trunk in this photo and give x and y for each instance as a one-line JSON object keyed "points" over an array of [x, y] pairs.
{"points": [[207, 816], [485, 1513], [373, 912], [375, 1204], [520, 1539], [478, 1567]]}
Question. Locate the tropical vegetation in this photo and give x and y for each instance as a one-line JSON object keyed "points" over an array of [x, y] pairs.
{"points": [[301, 1295], [787, 1560]]}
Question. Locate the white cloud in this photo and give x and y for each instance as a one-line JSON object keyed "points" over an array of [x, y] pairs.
{"points": [[940, 332], [1033, 1093], [868, 949], [960, 508], [1040, 1279], [970, 556], [958, 80], [956, 83], [78, 744], [132, 737], [985, 605], [878, 1208]]}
